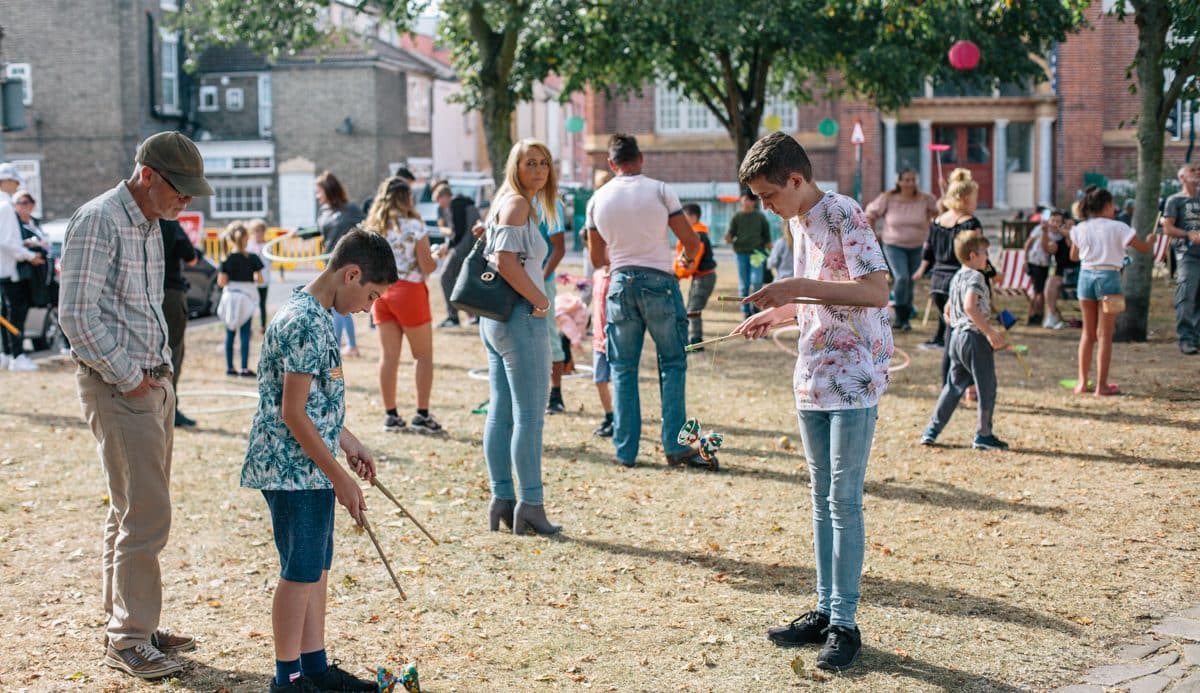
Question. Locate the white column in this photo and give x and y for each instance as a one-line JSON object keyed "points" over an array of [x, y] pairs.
{"points": [[1000, 164], [924, 139], [889, 153], [1045, 171]]}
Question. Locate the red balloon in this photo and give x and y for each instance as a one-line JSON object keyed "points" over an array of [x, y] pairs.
{"points": [[964, 55]]}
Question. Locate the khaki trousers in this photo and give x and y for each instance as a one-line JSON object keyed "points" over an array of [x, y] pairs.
{"points": [[134, 438]]}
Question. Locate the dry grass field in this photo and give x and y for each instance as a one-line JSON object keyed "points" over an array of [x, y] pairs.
{"points": [[984, 571]]}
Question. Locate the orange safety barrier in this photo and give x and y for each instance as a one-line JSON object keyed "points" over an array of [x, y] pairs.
{"points": [[215, 248]]}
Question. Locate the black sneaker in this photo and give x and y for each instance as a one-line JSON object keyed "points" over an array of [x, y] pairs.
{"points": [[604, 430], [1188, 348], [989, 443], [841, 649], [556, 406], [809, 629], [448, 323], [182, 421], [336, 679], [394, 424], [928, 437], [301, 684]]}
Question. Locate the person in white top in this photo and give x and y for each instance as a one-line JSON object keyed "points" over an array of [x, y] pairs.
{"points": [[1099, 245], [12, 251], [627, 221]]}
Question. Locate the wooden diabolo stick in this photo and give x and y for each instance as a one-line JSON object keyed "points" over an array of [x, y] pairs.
{"points": [[367, 526], [379, 485]]}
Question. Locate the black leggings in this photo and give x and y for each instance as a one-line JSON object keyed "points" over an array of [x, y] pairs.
{"points": [[939, 302], [17, 295], [262, 306]]}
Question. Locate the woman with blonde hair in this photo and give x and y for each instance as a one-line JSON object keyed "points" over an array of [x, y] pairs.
{"points": [[938, 256], [906, 213], [404, 309], [518, 349], [240, 276]]}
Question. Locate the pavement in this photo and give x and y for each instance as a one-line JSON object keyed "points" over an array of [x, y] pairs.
{"points": [[1166, 658]]}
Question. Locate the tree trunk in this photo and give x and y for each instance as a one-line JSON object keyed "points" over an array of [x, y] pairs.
{"points": [[1152, 19], [497, 127]]}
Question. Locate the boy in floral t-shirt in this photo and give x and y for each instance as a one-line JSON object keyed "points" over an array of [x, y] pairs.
{"points": [[842, 369], [291, 454]]}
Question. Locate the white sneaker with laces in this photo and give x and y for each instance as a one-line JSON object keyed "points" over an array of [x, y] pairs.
{"points": [[1053, 322], [22, 364]]}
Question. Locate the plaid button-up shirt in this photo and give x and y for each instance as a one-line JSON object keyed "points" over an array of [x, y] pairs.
{"points": [[110, 303]]}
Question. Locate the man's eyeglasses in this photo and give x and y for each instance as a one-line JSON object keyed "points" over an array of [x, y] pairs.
{"points": [[169, 183]]}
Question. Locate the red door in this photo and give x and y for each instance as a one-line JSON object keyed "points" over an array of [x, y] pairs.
{"points": [[970, 148]]}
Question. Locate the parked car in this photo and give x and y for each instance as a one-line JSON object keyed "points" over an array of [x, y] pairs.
{"points": [[41, 327]]}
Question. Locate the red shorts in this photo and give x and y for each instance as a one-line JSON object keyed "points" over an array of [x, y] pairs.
{"points": [[405, 303]]}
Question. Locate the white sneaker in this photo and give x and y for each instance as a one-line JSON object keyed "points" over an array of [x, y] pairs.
{"points": [[5, 359], [23, 364], [1053, 322]]}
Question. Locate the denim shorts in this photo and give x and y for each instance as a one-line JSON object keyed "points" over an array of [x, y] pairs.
{"points": [[601, 373], [303, 524], [1095, 284]]}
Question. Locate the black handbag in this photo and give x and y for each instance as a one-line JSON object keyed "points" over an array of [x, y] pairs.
{"points": [[480, 289]]}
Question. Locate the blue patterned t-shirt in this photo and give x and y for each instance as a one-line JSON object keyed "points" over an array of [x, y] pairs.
{"points": [[299, 340]]}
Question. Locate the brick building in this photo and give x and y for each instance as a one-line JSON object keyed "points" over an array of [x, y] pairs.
{"points": [[1077, 122]]}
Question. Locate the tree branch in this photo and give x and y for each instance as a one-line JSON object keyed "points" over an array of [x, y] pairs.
{"points": [[1187, 70]]}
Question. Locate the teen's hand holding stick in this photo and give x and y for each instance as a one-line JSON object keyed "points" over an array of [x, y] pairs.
{"points": [[867, 291]]}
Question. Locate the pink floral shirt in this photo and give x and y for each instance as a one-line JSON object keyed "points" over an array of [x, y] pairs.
{"points": [[843, 352]]}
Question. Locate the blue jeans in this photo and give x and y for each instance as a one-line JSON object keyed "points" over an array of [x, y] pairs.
{"points": [[750, 279], [837, 445], [641, 299], [1187, 299], [902, 262], [344, 323], [244, 333], [518, 354], [303, 525]]}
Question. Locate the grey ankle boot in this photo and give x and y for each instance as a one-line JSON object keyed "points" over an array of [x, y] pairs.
{"points": [[501, 510], [533, 517]]}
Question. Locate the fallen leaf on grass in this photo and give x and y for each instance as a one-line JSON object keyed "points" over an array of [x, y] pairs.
{"points": [[798, 666], [214, 603], [1083, 620]]}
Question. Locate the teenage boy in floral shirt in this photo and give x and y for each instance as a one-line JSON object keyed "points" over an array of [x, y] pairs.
{"points": [[842, 369], [291, 454]]}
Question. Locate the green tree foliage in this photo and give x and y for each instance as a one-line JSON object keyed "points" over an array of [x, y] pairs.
{"points": [[499, 48], [730, 56], [1166, 66]]}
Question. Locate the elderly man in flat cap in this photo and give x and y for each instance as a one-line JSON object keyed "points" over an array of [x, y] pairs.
{"points": [[110, 308]]}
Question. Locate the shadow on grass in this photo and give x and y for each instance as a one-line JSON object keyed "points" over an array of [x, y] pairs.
{"points": [[945, 495], [752, 576], [605, 456], [1115, 456], [879, 661], [199, 676]]}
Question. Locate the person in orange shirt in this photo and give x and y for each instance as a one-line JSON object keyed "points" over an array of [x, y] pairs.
{"points": [[702, 270]]}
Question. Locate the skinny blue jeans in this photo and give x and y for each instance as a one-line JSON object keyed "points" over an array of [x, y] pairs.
{"points": [[344, 323], [244, 333], [641, 299], [902, 262], [837, 445], [750, 279], [518, 353]]}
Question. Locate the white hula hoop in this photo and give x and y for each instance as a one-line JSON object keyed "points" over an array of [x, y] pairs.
{"points": [[266, 252], [905, 359], [247, 394], [581, 371]]}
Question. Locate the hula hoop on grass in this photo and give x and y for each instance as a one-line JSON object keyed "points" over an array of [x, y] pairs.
{"points": [[269, 245], [203, 394], [906, 360], [580, 372]]}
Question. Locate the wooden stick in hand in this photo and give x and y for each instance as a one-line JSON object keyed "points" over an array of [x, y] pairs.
{"points": [[367, 526]]}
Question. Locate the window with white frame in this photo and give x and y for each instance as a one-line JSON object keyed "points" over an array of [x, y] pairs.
{"points": [[170, 71], [783, 107], [675, 113], [238, 199], [419, 103], [209, 99], [22, 72], [169, 5], [264, 105], [235, 99]]}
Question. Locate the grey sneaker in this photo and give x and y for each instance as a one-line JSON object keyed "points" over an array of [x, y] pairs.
{"points": [[425, 424], [143, 660], [394, 424]]}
